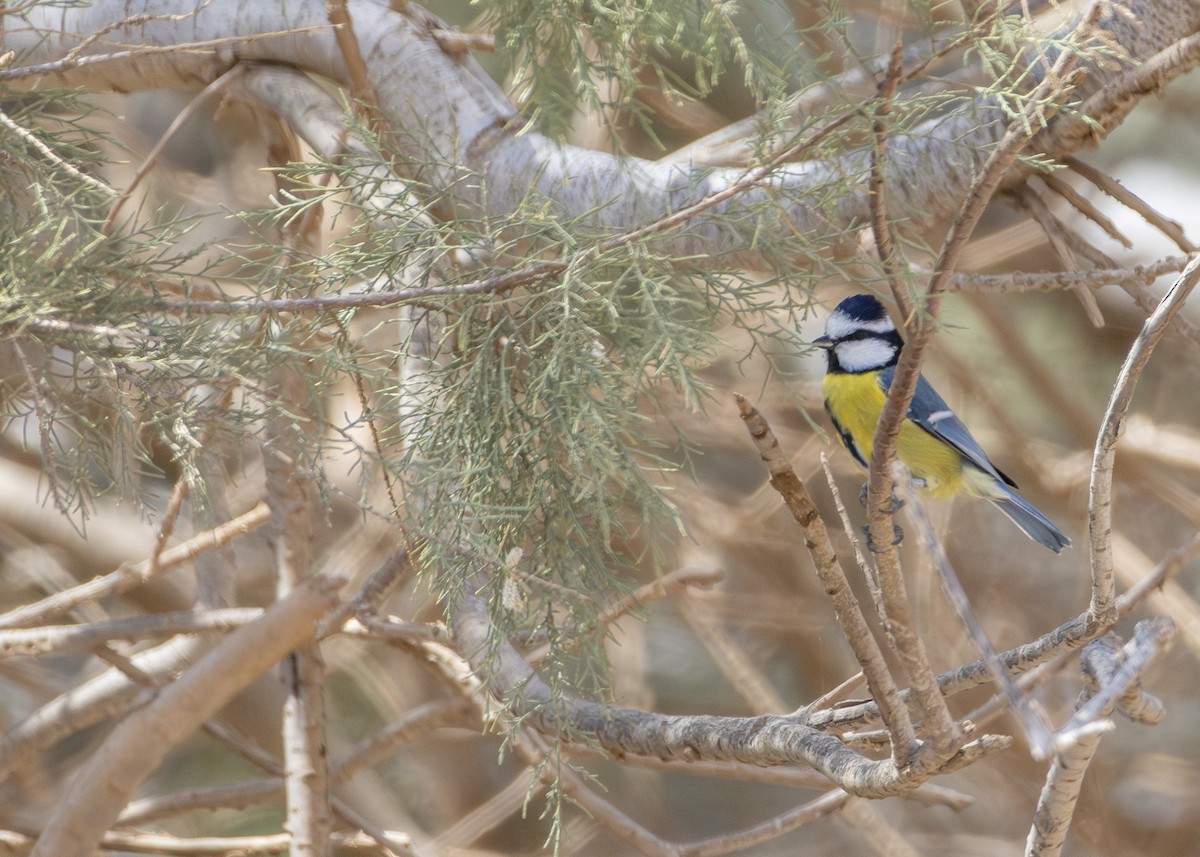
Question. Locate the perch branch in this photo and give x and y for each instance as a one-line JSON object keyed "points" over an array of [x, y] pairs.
{"points": [[833, 578], [764, 740]]}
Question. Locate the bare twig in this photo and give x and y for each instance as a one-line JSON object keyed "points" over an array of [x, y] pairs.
{"points": [[1056, 233], [1084, 206], [50, 155], [881, 227], [1170, 228], [837, 587], [165, 845], [68, 638], [1102, 606], [1031, 281], [127, 577], [148, 163], [1036, 728], [138, 743], [1112, 672], [361, 87], [210, 45]]}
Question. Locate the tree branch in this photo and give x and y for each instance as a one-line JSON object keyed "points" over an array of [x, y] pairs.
{"points": [[458, 132], [1101, 609], [136, 746]]}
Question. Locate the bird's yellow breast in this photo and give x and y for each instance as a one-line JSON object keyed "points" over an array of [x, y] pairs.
{"points": [[856, 401]]}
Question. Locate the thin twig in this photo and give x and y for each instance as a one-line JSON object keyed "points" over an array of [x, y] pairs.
{"points": [[881, 227], [1102, 606], [138, 743], [846, 607], [1085, 207], [1056, 234], [1033, 721], [1168, 227], [68, 63], [58, 639], [148, 163], [49, 154], [1043, 281], [127, 577]]}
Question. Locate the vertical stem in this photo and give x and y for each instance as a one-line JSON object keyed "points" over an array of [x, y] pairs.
{"points": [[1103, 606], [833, 578], [306, 777]]}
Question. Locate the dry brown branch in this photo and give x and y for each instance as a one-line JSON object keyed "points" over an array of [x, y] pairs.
{"points": [[1033, 722], [881, 227], [854, 625], [1135, 203], [136, 746], [73, 638], [127, 577], [1084, 206], [1057, 234], [361, 88], [165, 845], [1030, 281], [1163, 595], [152, 157]]}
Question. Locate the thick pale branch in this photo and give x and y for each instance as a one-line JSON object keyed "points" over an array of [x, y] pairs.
{"points": [[458, 131], [765, 740]]}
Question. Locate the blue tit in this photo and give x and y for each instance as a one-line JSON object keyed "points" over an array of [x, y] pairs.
{"points": [[862, 347]]}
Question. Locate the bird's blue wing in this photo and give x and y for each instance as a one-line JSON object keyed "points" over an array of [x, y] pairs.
{"points": [[930, 412]]}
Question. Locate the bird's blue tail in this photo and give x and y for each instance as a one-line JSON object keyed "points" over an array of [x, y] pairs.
{"points": [[1032, 522]]}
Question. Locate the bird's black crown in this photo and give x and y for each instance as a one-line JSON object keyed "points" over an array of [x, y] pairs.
{"points": [[862, 308]]}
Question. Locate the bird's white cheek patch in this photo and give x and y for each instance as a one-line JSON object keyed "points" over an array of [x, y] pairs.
{"points": [[859, 355], [840, 325]]}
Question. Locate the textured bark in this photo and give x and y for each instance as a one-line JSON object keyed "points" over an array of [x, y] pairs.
{"points": [[765, 740], [457, 129]]}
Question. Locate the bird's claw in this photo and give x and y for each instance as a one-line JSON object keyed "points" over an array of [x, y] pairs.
{"points": [[892, 508], [897, 538]]}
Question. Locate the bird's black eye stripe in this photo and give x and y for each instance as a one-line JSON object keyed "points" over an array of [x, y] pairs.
{"points": [[860, 334]]}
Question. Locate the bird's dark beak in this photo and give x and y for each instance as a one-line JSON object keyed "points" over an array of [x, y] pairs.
{"points": [[822, 342]]}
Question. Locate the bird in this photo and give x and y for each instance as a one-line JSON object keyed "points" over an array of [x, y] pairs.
{"points": [[862, 347]]}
